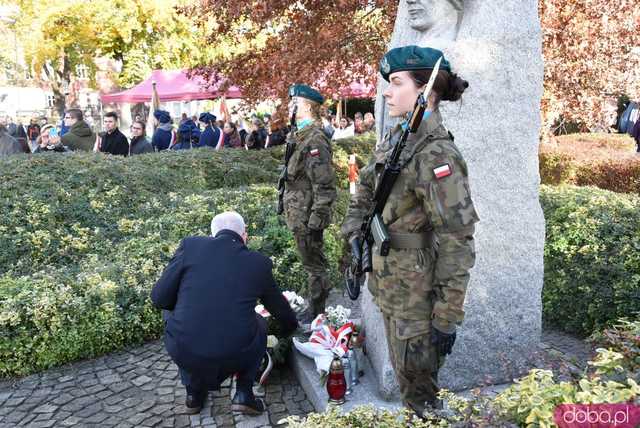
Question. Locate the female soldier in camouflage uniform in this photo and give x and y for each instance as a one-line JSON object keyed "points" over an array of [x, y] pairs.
{"points": [[310, 192], [420, 286]]}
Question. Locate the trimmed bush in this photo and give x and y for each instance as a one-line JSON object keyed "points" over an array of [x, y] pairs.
{"points": [[592, 257], [606, 161], [89, 235]]}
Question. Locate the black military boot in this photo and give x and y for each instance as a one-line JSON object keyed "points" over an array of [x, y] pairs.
{"points": [[245, 402]]}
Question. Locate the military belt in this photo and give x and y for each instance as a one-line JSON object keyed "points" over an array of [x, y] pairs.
{"points": [[405, 241]]}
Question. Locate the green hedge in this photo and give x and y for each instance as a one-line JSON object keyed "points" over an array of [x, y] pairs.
{"points": [[84, 237], [592, 257], [82, 246]]}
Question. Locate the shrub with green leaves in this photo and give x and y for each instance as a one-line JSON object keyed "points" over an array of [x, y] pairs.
{"points": [[89, 235], [591, 257]]}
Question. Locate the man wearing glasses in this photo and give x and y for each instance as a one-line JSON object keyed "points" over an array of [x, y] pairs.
{"points": [[139, 143]]}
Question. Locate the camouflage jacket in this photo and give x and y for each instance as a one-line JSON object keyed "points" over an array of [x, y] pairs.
{"points": [[310, 189], [429, 283]]}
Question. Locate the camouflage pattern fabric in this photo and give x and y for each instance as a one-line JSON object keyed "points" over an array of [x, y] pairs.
{"points": [[429, 283], [415, 362], [310, 192]]}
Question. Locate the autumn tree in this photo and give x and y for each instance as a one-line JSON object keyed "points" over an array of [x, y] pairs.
{"points": [[592, 56], [142, 35], [283, 42]]}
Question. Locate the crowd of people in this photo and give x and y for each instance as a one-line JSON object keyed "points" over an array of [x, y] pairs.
{"points": [[74, 133]]}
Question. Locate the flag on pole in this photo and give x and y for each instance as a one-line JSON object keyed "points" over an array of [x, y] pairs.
{"points": [[224, 110], [154, 105]]}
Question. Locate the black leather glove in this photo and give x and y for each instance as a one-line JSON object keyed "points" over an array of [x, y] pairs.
{"points": [[443, 341], [316, 234]]}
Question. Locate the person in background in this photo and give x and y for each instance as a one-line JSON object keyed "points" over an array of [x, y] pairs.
{"points": [[277, 132], [369, 123], [208, 292], [194, 118], [232, 136], [11, 126], [211, 136], [33, 132], [188, 136], [345, 130], [44, 141], [258, 136], [358, 122], [242, 132], [325, 116], [79, 135], [164, 136], [112, 141], [139, 143], [8, 144], [183, 118]]}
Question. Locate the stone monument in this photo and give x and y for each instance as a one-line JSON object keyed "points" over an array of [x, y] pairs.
{"points": [[496, 46]]}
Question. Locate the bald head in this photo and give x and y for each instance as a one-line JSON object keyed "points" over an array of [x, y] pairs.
{"points": [[229, 220]]}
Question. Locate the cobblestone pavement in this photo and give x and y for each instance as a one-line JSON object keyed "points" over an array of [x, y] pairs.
{"points": [[136, 387]]}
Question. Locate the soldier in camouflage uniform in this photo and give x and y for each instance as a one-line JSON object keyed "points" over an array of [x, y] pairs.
{"points": [[420, 286], [310, 191]]}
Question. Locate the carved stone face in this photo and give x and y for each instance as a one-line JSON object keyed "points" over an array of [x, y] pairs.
{"points": [[424, 14]]}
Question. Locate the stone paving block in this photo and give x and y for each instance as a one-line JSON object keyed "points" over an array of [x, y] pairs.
{"points": [[160, 409], [182, 421], [118, 387], [137, 419], [145, 405], [70, 421], [43, 416], [42, 424], [89, 410], [152, 421], [97, 418], [47, 408], [141, 380]]}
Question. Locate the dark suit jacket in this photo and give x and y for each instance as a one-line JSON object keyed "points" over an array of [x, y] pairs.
{"points": [[212, 286]]}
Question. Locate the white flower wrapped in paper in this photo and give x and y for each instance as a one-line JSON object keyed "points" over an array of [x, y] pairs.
{"points": [[296, 302], [326, 341]]}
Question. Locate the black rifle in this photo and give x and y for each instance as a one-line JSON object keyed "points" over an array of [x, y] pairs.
{"points": [[291, 145], [372, 225]]}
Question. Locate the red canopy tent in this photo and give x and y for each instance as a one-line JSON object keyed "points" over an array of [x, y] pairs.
{"points": [[172, 85]]}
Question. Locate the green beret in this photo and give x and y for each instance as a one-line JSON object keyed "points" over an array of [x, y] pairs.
{"points": [[305, 91], [409, 58]]}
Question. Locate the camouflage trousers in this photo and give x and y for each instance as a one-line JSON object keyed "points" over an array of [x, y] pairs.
{"points": [[315, 263], [415, 362]]}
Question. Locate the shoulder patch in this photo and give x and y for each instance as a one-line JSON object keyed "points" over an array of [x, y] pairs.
{"points": [[442, 171]]}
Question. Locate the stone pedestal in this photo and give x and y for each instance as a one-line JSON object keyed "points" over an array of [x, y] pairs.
{"points": [[497, 48]]}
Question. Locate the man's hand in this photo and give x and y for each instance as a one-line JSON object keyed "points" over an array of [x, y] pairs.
{"points": [[316, 234], [442, 341]]}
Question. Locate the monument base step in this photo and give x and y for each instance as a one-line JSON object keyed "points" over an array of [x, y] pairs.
{"points": [[365, 393]]}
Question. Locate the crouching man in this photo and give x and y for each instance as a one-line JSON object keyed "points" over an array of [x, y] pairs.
{"points": [[209, 291]]}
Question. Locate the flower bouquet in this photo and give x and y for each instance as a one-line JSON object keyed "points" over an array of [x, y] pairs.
{"points": [[277, 344], [330, 335]]}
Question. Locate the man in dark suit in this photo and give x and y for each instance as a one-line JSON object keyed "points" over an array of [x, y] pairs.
{"points": [[211, 287]]}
